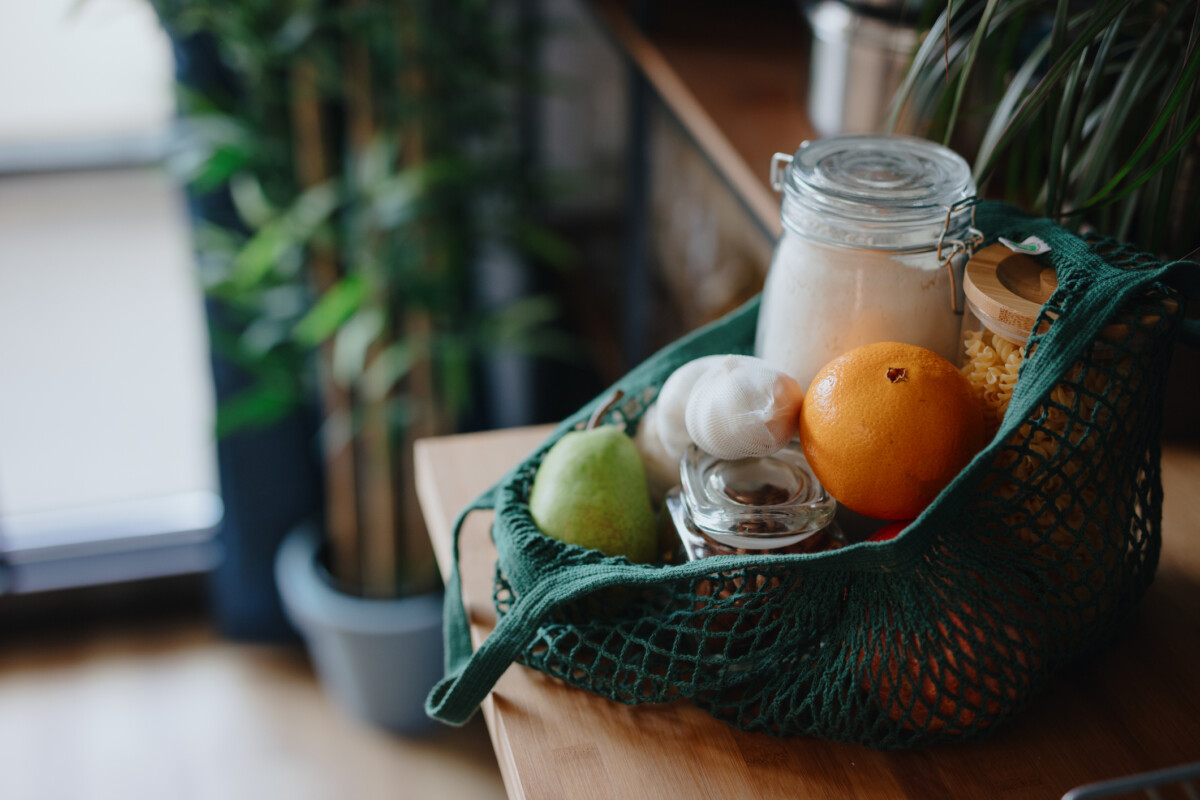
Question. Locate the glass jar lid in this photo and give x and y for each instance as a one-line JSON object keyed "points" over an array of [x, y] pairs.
{"points": [[764, 502], [883, 192]]}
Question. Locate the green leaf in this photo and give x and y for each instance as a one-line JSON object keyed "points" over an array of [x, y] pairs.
{"points": [[257, 259], [1150, 171], [263, 335], [1142, 70], [1067, 109], [251, 201], [376, 163], [964, 77], [1100, 62], [285, 302], [394, 199], [920, 60], [937, 63], [1002, 118], [1092, 24], [298, 29], [390, 366], [267, 249], [1058, 131], [1183, 88], [218, 168], [314, 207], [333, 308], [253, 408], [352, 343]]}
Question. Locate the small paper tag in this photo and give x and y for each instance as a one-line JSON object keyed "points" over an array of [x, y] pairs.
{"points": [[1032, 246]]}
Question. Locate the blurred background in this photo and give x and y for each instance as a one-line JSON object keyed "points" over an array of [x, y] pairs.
{"points": [[250, 252]]}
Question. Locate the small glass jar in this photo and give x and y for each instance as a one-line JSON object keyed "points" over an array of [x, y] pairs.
{"points": [[858, 261], [1004, 293], [751, 505]]}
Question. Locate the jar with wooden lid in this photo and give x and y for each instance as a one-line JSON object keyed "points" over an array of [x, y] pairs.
{"points": [[1004, 291]]}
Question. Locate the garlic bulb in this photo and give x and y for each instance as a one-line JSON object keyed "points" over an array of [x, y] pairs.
{"points": [[742, 407], [662, 470], [672, 405]]}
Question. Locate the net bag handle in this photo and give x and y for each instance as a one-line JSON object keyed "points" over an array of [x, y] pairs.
{"points": [[456, 631], [470, 676]]}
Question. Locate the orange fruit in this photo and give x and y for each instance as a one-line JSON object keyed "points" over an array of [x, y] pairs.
{"points": [[886, 426], [961, 678]]}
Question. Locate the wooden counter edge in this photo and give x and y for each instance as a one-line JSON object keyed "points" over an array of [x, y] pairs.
{"points": [[440, 510]]}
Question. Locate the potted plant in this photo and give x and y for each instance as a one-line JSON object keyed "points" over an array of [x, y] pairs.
{"points": [[368, 160], [1082, 111]]}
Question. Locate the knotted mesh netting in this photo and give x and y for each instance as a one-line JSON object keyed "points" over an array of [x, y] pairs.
{"points": [[1034, 556]]}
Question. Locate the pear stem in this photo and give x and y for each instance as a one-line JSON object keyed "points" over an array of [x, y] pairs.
{"points": [[598, 414]]}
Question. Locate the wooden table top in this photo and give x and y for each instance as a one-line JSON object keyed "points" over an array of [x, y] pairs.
{"points": [[1134, 708]]}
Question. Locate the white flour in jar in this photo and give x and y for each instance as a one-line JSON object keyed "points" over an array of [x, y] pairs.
{"points": [[821, 301], [857, 262]]}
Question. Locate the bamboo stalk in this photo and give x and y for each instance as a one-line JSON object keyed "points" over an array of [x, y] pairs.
{"points": [[312, 168], [379, 486]]}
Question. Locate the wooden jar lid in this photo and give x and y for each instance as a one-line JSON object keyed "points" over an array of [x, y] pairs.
{"points": [[1008, 287]]}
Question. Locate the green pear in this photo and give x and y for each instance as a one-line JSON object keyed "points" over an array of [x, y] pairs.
{"points": [[591, 491]]}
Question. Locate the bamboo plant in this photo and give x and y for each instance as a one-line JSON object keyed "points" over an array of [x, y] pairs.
{"points": [[356, 139], [1083, 110]]}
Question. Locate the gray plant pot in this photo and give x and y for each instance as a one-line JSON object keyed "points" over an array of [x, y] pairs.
{"points": [[377, 658]]}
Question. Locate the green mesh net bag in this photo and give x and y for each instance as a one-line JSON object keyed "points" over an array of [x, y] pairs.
{"points": [[1033, 557]]}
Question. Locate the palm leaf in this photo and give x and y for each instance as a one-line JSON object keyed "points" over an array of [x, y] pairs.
{"points": [[964, 77], [1067, 108], [1140, 73], [1002, 119], [1182, 141], [929, 46], [1091, 25], [1182, 89], [1096, 77]]}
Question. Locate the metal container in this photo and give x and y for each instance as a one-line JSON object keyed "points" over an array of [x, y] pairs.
{"points": [[859, 55]]}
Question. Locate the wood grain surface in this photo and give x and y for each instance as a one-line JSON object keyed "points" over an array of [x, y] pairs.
{"points": [[156, 705], [1132, 708]]}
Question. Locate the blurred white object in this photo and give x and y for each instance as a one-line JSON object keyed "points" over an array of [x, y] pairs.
{"points": [[106, 406], [662, 435], [107, 461], [742, 407], [100, 69], [859, 56]]}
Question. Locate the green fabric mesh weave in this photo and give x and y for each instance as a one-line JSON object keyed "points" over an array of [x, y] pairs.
{"points": [[1033, 557]]}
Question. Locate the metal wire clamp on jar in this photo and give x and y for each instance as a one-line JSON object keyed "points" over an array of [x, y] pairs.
{"points": [[876, 229]]}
